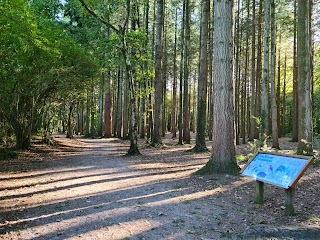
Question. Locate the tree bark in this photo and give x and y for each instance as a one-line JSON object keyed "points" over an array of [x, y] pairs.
{"points": [[237, 74], [274, 110], [125, 113], [101, 105], [295, 114], [265, 75], [164, 82], [186, 105], [158, 84], [278, 87], [305, 132], [284, 97], [181, 77], [87, 132], [258, 72], [210, 102], [92, 122], [244, 84], [174, 84], [108, 107], [203, 80], [223, 157], [70, 120], [253, 108]]}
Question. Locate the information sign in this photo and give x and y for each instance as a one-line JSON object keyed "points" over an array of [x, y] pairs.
{"points": [[280, 170]]}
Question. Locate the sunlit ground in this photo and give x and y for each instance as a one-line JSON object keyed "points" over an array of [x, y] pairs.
{"points": [[97, 193]]}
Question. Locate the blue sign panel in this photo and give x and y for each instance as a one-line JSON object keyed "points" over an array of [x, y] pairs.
{"points": [[276, 169]]}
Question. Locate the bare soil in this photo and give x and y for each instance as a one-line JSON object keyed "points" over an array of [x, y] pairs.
{"points": [[88, 189]]}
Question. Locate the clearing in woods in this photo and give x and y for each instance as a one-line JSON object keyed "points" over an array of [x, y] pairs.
{"points": [[88, 189]]}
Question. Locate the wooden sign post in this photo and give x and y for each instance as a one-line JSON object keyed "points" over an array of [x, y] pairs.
{"points": [[278, 169]]}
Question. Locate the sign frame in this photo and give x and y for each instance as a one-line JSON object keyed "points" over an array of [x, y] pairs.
{"points": [[295, 178], [290, 190]]}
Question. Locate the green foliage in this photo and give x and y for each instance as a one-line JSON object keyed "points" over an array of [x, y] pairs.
{"points": [[7, 154], [261, 143], [304, 148], [244, 158], [38, 59]]}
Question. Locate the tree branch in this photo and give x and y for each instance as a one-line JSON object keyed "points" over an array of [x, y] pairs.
{"points": [[100, 19]]}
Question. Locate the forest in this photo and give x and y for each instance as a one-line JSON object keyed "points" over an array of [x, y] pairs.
{"points": [[131, 119], [228, 72]]}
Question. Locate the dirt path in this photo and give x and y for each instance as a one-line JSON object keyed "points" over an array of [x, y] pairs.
{"points": [[89, 190]]}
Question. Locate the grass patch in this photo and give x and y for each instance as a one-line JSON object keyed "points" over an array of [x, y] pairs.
{"points": [[314, 218], [244, 158]]}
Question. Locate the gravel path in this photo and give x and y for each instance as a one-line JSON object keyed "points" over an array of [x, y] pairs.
{"points": [[97, 193]]}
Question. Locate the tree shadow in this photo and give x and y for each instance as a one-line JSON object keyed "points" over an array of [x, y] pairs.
{"points": [[123, 199]]}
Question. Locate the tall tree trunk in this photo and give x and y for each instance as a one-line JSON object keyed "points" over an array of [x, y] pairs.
{"points": [[210, 107], [118, 113], [78, 120], [274, 110], [278, 87], [108, 107], [143, 100], [253, 105], [244, 82], [92, 122], [203, 79], [142, 111], [100, 130], [237, 74], [194, 96], [133, 150], [284, 104], [88, 114], [150, 85], [158, 84], [125, 113], [164, 81], [305, 133], [186, 106], [223, 156], [264, 86], [174, 85], [23, 123], [311, 47], [23, 136], [70, 121], [81, 117], [259, 70], [295, 114], [181, 77]]}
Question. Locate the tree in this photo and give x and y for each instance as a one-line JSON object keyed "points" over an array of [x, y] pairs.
{"points": [[174, 84], [182, 54], [305, 129], [275, 140], [128, 67], [253, 75], [265, 75], [186, 74], [158, 83], [108, 106], [38, 60], [203, 79], [295, 117], [223, 157]]}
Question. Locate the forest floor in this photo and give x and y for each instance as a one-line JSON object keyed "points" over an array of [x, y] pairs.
{"points": [[87, 189]]}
